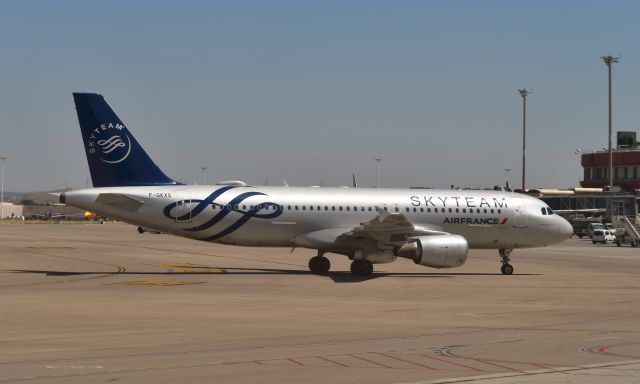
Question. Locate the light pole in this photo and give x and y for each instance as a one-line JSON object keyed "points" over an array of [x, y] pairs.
{"points": [[2, 159], [378, 172], [578, 152], [507, 170], [608, 60], [204, 175], [524, 93]]}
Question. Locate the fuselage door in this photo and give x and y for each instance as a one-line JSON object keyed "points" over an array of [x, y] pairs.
{"points": [[182, 211], [520, 213]]}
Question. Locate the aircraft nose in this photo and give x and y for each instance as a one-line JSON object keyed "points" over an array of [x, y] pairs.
{"points": [[564, 229]]}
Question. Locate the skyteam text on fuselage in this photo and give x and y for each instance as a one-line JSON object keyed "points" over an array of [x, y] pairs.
{"points": [[433, 228]]}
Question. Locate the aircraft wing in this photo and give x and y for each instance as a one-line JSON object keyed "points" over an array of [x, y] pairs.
{"points": [[390, 228], [383, 232]]}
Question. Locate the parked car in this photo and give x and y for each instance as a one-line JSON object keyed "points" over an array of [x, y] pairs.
{"points": [[602, 236]]}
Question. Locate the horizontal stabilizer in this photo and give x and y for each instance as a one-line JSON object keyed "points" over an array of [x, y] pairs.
{"points": [[120, 201]]}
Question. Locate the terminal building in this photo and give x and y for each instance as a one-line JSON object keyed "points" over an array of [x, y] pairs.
{"points": [[594, 195], [626, 165]]}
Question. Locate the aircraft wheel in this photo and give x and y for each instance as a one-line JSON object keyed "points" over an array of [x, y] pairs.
{"points": [[319, 265], [506, 269], [361, 267], [140, 229]]}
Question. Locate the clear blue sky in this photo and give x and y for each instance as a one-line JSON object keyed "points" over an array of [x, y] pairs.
{"points": [[311, 91]]}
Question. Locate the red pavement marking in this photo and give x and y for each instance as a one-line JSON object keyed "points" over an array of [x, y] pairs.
{"points": [[291, 359], [454, 363], [333, 361], [369, 361], [406, 361], [605, 350], [498, 365]]}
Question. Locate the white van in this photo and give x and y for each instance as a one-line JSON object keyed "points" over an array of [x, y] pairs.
{"points": [[594, 226]]}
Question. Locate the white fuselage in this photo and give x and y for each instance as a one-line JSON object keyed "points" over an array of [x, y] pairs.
{"points": [[276, 216]]}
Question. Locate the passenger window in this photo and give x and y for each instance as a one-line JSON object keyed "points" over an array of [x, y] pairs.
{"points": [[397, 210], [450, 210], [296, 207], [311, 207], [340, 208], [478, 210], [428, 210], [355, 209], [319, 208], [406, 209], [492, 211], [362, 209], [415, 210], [288, 207], [485, 210], [499, 211], [333, 208], [326, 207], [464, 210], [304, 207], [457, 210], [348, 208], [369, 209]]}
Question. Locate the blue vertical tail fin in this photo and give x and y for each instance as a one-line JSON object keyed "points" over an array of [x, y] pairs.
{"points": [[115, 157]]}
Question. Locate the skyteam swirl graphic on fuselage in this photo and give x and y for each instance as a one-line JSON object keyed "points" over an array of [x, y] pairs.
{"points": [[225, 210]]}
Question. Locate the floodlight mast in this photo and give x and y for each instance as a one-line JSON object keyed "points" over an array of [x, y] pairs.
{"points": [[524, 93], [378, 160], [608, 60]]}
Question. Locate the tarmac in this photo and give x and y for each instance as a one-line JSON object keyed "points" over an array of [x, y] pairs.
{"points": [[90, 303]]}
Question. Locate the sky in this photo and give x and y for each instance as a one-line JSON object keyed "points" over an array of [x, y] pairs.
{"points": [[312, 91]]}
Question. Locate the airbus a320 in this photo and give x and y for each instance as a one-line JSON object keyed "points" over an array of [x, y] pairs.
{"points": [[433, 228]]}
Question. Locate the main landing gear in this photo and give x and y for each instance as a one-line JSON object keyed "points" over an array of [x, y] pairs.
{"points": [[361, 267], [319, 264], [506, 268]]}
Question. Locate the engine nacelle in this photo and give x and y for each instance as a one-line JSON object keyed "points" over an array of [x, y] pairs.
{"points": [[437, 251]]}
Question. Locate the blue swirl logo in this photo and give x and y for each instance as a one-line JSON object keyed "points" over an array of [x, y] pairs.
{"points": [[271, 211]]}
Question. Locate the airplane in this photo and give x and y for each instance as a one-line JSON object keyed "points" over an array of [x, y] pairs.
{"points": [[434, 228]]}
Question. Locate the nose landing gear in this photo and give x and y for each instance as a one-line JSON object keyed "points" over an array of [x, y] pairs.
{"points": [[506, 268]]}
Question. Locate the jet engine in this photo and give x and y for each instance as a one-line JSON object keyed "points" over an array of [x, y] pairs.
{"points": [[437, 251]]}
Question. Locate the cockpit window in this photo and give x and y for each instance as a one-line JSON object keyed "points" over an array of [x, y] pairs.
{"points": [[544, 210], [549, 211]]}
